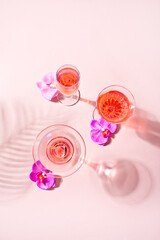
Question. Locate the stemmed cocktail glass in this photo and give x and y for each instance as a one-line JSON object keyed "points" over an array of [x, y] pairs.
{"points": [[60, 149], [67, 82]]}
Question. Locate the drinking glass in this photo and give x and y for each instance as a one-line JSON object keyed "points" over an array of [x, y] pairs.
{"points": [[61, 149], [115, 104], [67, 82]]}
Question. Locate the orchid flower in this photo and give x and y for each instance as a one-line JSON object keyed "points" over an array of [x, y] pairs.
{"points": [[42, 176], [47, 86], [102, 131]]}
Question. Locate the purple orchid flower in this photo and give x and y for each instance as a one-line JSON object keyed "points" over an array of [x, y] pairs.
{"points": [[42, 176], [102, 131], [47, 86]]}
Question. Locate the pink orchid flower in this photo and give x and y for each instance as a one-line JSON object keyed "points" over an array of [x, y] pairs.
{"points": [[42, 176], [102, 131], [47, 86]]}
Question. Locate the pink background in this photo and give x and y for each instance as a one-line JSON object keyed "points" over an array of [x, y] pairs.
{"points": [[110, 42]]}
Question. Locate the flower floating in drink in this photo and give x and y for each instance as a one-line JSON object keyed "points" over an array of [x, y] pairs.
{"points": [[115, 104]]}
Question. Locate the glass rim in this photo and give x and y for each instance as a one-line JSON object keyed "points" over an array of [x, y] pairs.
{"points": [[69, 66], [119, 86], [82, 160], [126, 92]]}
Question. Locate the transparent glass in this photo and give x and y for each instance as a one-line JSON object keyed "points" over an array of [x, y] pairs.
{"points": [[67, 82], [119, 177], [115, 104], [61, 149]]}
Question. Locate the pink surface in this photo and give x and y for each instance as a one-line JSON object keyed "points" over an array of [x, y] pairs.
{"points": [[110, 42]]}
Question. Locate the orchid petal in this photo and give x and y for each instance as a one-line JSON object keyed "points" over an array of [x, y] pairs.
{"points": [[49, 93], [35, 168], [38, 167], [33, 176], [40, 85], [103, 123], [46, 183], [97, 137], [48, 78], [112, 127], [95, 124]]}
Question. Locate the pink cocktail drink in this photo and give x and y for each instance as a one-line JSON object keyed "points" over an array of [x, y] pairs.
{"points": [[115, 104], [68, 80], [60, 149]]}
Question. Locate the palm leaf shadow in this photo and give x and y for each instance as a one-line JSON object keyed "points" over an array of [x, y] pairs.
{"points": [[20, 122]]}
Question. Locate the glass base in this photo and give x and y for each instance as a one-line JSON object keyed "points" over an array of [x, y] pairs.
{"points": [[95, 114], [69, 100]]}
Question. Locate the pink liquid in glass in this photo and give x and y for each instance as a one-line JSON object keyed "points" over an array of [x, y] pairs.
{"points": [[68, 80], [60, 150]]}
